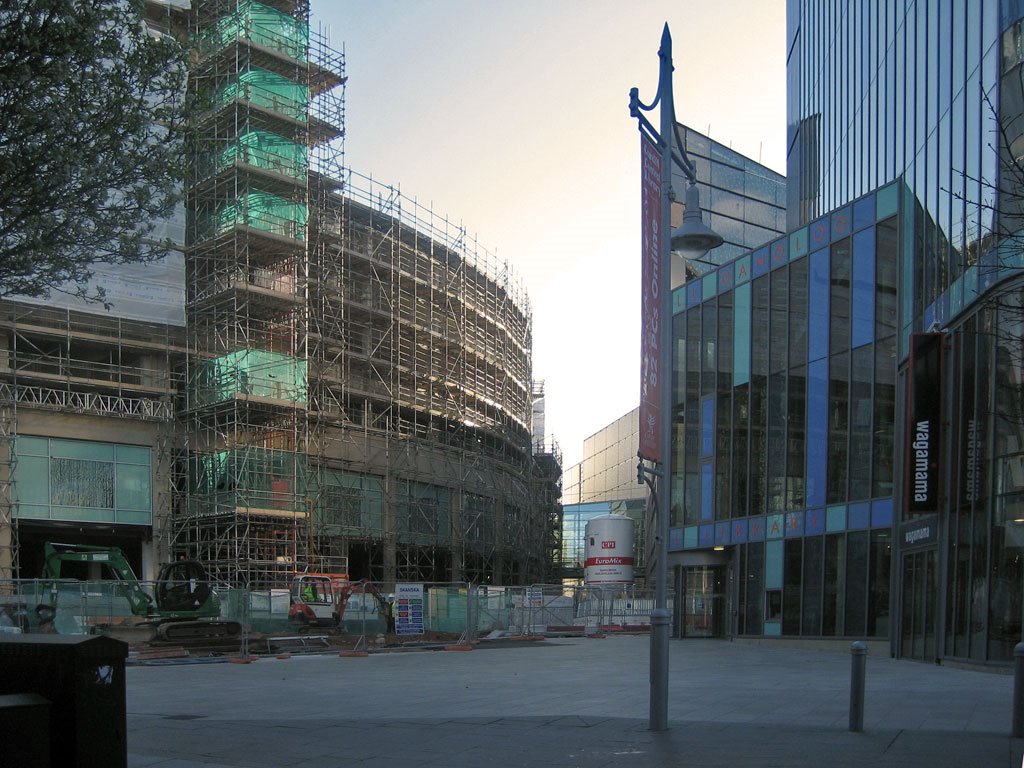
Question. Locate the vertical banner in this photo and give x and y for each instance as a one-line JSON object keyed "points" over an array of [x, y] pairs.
{"points": [[924, 409], [650, 301]]}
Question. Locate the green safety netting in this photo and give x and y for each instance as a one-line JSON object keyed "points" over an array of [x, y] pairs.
{"points": [[254, 372], [266, 89], [263, 26], [251, 477], [265, 150], [262, 210]]}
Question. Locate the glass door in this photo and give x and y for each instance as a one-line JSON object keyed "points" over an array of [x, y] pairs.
{"points": [[917, 635], [703, 604]]}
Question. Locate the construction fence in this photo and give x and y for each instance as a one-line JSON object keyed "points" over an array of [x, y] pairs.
{"points": [[419, 611]]}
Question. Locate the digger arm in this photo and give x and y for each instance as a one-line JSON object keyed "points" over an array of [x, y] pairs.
{"points": [[114, 562]]}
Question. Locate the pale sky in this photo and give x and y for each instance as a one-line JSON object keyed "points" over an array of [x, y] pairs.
{"points": [[512, 118]]}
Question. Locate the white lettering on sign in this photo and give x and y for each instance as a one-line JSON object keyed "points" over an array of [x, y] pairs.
{"points": [[607, 545], [921, 447], [912, 537]]}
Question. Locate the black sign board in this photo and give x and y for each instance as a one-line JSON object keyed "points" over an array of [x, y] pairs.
{"points": [[923, 410], [923, 532]]}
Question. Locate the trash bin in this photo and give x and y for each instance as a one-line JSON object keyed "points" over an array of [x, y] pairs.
{"points": [[83, 678], [25, 730]]}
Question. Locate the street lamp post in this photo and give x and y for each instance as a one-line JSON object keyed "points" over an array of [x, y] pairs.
{"points": [[693, 239]]}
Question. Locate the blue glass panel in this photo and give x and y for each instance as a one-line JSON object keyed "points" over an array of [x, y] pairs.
{"points": [[835, 519], [907, 264], [929, 316], [34, 446], [956, 297], [858, 516], [887, 200], [707, 536], [33, 511], [743, 269], [741, 336], [798, 244], [755, 531], [817, 431], [818, 291], [131, 454], [693, 294], [864, 212], [725, 278], [721, 534], [1010, 256], [707, 426], [863, 305], [775, 526], [675, 539], [709, 283], [794, 524], [773, 564], [970, 285], [32, 479], [881, 513], [81, 449], [819, 234], [690, 537], [779, 252], [814, 522], [760, 259], [678, 301], [988, 272], [707, 491], [739, 531], [841, 223], [133, 518], [773, 628]]}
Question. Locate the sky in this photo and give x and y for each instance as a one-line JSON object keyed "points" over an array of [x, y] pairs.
{"points": [[512, 118]]}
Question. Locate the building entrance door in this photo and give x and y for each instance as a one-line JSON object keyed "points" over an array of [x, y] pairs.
{"points": [[703, 603], [918, 598]]}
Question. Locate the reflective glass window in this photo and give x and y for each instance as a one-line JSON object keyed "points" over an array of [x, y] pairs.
{"points": [[817, 431], [839, 299], [813, 572], [863, 276], [819, 291]]}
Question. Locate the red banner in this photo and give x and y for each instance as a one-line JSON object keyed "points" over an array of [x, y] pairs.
{"points": [[650, 301]]}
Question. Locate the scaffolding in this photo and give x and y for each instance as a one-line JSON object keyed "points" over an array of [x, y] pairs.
{"points": [[268, 94], [357, 385], [420, 382]]}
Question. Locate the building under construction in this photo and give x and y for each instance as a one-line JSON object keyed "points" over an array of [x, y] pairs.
{"points": [[328, 377]]}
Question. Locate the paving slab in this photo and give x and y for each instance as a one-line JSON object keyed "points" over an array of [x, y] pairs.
{"points": [[567, 702]]}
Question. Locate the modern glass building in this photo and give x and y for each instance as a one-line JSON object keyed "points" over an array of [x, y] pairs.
{"points": [[603, 483], [785, 372], [850, 425]]}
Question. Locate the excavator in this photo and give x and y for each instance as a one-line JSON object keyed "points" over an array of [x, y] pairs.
{"points": [[320, 599], [183, 607]]}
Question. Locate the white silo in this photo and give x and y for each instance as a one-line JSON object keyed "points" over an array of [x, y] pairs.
{"points": [[609, 555]]}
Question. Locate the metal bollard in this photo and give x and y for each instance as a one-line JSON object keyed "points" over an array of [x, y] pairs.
{"points": [[858, 666], [1018, 691]]}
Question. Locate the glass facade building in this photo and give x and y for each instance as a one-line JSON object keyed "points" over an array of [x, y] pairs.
{"points": [[603, 483], [785, 375], [850, 418]]}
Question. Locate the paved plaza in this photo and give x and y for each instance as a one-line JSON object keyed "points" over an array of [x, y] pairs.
{"points": [[567, 702]]}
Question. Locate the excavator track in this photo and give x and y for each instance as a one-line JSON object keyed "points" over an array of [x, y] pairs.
{"points": [[178, 631]]}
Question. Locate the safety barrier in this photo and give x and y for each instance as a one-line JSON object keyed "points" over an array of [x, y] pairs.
{"points": [[432, 611]]}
